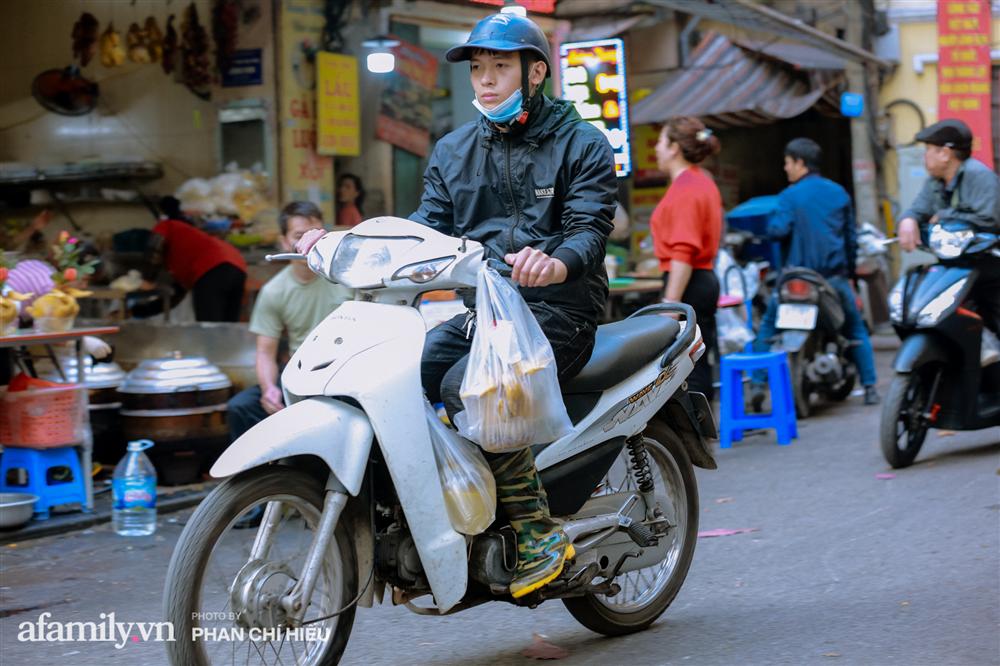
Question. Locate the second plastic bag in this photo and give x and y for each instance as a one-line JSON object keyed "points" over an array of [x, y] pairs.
{"points": [[470, 492], [510, 390]]}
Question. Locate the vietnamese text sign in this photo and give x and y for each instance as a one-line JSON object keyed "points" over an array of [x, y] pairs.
{"points": [[593, 78], [404, 117], [964, 69], [305, 174], [338, 113]]}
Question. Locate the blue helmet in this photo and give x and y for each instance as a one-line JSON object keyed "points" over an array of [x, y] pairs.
{"points": [[504, 32]]}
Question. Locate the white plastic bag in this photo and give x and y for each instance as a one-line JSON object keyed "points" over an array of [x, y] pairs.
{"points": [[732, 332], [511, 386], [470, 492]]}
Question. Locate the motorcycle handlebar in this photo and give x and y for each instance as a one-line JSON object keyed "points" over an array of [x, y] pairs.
{"points": [[500, 267], [284, 256]]}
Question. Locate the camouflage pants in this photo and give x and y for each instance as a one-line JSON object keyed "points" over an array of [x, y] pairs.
{"points": [[446, 355]]}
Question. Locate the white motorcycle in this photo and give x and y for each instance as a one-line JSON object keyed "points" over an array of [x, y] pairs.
{"points": [[354, 508]]}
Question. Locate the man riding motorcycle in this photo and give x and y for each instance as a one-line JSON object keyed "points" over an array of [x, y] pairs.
{"points": [[958, 188], [536, 185]]}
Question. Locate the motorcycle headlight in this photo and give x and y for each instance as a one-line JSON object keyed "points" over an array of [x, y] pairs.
{"points": [[949, 244], [362, 262], [424, 271], [896, 302], [931, 313]]}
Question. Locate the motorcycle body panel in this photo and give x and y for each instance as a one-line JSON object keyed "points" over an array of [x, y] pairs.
{"points": [[336, 432], [953, 342], [387, 337]]}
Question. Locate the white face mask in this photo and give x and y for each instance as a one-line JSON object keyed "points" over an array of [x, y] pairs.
{"points": [[505, 111]]}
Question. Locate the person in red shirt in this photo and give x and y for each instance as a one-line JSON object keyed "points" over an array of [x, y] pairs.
{"points": [[687, 228], [210, 268], [350, 199]]}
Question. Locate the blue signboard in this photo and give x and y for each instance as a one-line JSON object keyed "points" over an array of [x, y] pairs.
{"points": [[245, 69], [852, 105], [593, 78]]}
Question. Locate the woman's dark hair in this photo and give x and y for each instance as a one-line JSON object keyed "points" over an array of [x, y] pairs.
{"points": [[171, 208], [360, 201], [806, 150], [306, 209], [696, 141]]}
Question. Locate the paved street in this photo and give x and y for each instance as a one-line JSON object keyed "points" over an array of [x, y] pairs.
{"points": [[844, 568]]}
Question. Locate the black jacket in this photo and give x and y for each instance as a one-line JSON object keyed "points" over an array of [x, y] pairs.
{"points": [[551, 185]]}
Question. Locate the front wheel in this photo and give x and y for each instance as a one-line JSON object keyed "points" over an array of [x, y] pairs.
{"points": [[225, 606], [904, 424], [645, 594]]}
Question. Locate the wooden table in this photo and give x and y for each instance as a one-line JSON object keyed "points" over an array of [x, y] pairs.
{"points": [[618, 289], [26, 338]]}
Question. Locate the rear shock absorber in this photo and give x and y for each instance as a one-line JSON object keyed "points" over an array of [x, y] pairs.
{"points": [[641, 472]]}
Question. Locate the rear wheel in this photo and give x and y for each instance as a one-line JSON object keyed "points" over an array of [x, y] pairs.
{"points": [[646, 593], [800, 384], [904, 424]]}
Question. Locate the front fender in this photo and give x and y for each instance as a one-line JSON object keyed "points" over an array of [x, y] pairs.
{"points": [[918, 350], [338, 433]]}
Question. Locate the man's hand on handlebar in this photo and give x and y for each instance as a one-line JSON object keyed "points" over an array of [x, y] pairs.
{"points": [[908, 234], [309, 239], [534, 268]]}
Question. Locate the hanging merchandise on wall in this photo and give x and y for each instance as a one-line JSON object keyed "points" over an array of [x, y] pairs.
{"points": [[195, 65], [404, 117], [112, 53], [225, 26], [154, 39], [135, 42], [85, 35], [169, 61]]}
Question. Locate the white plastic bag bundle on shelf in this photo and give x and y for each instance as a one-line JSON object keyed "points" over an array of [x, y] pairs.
{"points": [[732, 332], [511, 386], [470, 492]]}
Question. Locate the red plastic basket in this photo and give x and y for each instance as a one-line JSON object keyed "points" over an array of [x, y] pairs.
{"points": [[42, 418]]}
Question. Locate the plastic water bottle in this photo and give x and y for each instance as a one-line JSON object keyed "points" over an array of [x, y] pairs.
{"points": [[134, 490]]}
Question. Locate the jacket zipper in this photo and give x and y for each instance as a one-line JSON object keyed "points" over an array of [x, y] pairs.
{"points": [[510, 189]]}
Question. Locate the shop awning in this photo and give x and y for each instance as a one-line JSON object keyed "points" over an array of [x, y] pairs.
{"points": [[729, 86]]}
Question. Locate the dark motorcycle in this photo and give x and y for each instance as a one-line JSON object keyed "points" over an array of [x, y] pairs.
{"points": [[809, 323], [940, 382]]}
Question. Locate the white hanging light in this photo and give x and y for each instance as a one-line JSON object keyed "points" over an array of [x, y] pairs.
{"points": [[381, 60]]}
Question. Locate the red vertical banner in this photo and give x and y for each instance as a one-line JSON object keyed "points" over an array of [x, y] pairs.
{"points": [[964, 69]]}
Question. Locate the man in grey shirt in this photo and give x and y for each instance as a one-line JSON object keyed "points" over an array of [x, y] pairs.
{"points": [[959, 188]]}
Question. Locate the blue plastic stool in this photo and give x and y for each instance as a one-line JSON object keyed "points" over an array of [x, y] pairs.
{"points": [[37, 464], [734, 417]]}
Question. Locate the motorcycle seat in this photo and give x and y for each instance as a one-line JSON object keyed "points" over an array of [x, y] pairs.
{"points": [[621, 348]]}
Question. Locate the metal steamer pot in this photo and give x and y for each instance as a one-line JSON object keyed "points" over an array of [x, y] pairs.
{"points": [[180, 403]]}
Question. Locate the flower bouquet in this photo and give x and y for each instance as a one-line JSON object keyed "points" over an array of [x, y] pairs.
{"points": [[57, 310]]}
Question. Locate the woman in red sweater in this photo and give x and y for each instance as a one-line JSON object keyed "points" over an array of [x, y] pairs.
{"points": [[687, 228]]}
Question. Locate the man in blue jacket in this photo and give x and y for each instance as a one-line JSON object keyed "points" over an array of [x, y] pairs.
{"points": [[815, 223]]}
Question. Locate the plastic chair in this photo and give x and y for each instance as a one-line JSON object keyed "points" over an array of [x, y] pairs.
{"points": [[734, 419], [52, 487]]}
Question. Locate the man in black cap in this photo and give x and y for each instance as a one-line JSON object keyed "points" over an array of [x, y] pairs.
{"points": [[959, 188]]}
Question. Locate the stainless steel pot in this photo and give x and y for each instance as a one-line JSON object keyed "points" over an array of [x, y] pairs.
{"points": [[101, 379], [175, 399], [174, 383]]}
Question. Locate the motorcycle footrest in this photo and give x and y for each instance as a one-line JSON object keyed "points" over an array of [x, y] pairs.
{"points": [[642, 535]]}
